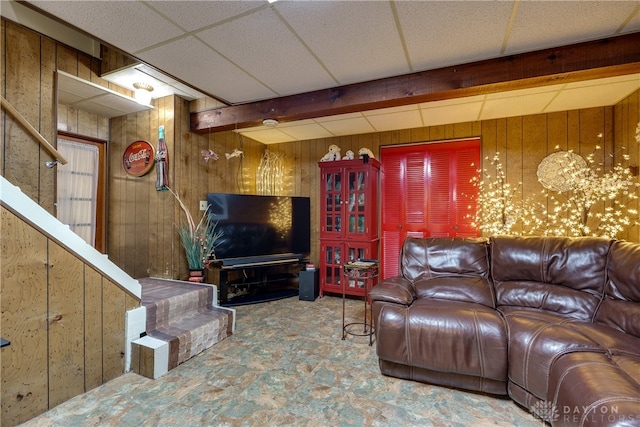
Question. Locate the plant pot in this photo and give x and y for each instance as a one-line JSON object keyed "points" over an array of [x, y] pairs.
{"points": [[196, 276]]}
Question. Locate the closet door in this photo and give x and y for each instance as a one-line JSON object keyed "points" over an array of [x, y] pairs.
{"points": [[402, 210], [426, 192]]}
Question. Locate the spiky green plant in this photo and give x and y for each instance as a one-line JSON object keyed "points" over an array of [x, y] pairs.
{"points": [[198, 239]]}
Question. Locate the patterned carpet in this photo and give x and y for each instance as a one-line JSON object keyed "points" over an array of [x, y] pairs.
{"points": [[286, 365]]}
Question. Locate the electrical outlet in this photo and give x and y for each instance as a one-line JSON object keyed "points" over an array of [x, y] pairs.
{"points": [[203, 205]]}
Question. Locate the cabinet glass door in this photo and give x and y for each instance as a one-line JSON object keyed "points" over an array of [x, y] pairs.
{"points": [[332, 209], [356, 203], [332, 266]]}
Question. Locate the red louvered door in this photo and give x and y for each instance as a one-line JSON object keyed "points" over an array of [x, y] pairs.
{"points": [[426, 192]]}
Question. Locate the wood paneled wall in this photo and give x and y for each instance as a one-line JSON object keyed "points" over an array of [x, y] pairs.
{"points": [[522, 142], [626, 118], [30, 61], [141, 221], [65, 322], [142, 234]]}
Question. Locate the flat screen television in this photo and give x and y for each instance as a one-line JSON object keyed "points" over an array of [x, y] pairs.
{"points": [[261, 228]]}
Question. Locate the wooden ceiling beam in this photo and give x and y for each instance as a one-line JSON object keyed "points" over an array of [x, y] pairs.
{"points": [[583, 61]]}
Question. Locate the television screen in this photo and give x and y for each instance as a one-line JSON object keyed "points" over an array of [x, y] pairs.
{"points": [[261, 226]]}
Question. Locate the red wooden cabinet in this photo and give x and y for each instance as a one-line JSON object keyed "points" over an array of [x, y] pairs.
{"points": [[348, 219]]}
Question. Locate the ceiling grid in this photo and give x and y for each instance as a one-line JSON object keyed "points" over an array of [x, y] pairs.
{"points": [[247, 51]]}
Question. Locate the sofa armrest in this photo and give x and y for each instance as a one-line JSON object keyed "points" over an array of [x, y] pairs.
{"points": [[396, 290]]}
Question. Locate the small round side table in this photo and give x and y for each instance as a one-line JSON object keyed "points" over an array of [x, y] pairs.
{"points": [[366, 272]]}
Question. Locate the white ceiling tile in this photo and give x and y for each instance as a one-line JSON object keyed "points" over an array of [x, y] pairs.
{"points": [[339, 117], [515, 106], [129, 25], [228, 82], [68, 98], [110, 105], [356, 41], [306, 131], [93, 98], [73, 87], [465, 31], [440, 115], [540, 24], [524, 92], [286, 66], [455, 101], [398, 120], [391, 110], [635, 78], [192, 15], [126, 77], [285, 125], [594, 96], [348, 126], [267, 136]]}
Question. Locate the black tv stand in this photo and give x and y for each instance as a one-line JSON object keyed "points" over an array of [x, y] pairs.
{"points": [[255, 280]]}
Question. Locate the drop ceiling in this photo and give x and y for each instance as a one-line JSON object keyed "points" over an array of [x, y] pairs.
{"points": [[245, 51], [570, 96], [87, 96]]}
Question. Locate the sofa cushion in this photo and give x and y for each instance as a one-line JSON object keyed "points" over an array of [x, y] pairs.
{"points": [[595, 389], [557, 274], [620, 308], [457, 288], [611, 340], [426, 258], [536, 339], [444, 336]]}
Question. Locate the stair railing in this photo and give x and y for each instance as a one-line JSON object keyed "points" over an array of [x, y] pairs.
{"points": [[34, 133]]}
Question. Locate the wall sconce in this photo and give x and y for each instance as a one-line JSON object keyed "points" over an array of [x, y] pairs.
{"points": [[142, 93]]}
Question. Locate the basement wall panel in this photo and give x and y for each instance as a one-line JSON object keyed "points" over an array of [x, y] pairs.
{"points": [[93, 322], [24, 391], [22, 91], [113, 331], [66, 324]]}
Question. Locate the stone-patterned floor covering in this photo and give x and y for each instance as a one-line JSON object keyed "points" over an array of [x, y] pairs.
{"points": [[286, 365]]}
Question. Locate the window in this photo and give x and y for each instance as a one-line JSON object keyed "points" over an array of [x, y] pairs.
{"points": [[77, 188]]}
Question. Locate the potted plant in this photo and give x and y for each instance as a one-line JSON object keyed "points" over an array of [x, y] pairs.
{"points": [[199, 240]]}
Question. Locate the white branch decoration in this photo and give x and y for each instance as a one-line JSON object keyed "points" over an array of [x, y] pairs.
{"points": [[270, 175]]}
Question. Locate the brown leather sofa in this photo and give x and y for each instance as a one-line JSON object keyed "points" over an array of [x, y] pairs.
{"points": [[552, 322]]}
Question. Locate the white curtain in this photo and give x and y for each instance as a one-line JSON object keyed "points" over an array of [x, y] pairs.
{"points": [[78, 188]]}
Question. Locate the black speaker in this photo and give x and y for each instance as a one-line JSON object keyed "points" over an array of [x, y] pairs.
{"points": [[309, 285]]}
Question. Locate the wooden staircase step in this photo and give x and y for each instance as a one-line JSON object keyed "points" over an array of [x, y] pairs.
{"points": [[194, 334], [184, 315]]}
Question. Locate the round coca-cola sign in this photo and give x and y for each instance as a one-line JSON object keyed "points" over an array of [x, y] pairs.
{"points": [[138, 158]]}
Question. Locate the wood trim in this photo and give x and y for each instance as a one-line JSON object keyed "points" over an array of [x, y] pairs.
{"points": [[584, 61], [81, 138]]}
